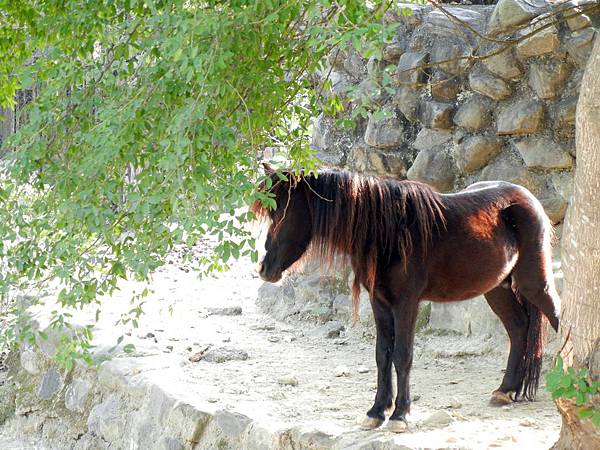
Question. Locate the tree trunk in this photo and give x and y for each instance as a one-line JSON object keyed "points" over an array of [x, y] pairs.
{"points": [[580, 323]]}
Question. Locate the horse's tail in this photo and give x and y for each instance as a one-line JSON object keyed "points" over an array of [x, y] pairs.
{"points": [[531, 364]]}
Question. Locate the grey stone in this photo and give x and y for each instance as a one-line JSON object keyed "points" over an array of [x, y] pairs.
{"points": [[105, 419], [226, 311], [546, 78], [523, 117], [579, 45], [555, 207], [577, 22], [563, 117], [368, 94], [438, 419], [330, 142], [508, 169], [224, 354], [427, 138], [231, 423], [336, 58], [436, 23], [30, 361], [288, 381], [76, 395], [437, 115], [384, 133], [472, 317], [542, 153], [409, 71], [387, 163], [455, 52], [407, 100], [473, 115], [51, 383], [393, 50], [358, 159], [562, 182], [434, 167], [487, 84], [475, 152], [509, 14], [342, 307], [355, 65], [330, 330], [444, 87], [169, 443], [504, 65], [541, 43]]}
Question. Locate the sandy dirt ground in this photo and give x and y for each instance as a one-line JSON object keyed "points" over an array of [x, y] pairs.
{"points": [[291, 374]]}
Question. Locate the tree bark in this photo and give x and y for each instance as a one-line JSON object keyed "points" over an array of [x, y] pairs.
{"points": [[580, 321]]}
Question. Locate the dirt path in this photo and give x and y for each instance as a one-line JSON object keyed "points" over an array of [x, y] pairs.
{"points": [[292, 374]]}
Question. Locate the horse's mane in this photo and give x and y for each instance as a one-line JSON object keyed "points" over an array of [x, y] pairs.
{"points": [[365, 218]]}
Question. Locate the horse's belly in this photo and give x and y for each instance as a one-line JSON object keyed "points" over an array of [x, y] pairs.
{"points": [[468, 273]]}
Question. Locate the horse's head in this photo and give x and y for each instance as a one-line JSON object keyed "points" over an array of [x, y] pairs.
{"points": [[290, 228]]}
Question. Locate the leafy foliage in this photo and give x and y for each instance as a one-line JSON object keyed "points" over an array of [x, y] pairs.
{"points": [[571, 383], [145, 132]]}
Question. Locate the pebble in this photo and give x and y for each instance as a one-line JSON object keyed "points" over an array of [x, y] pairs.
{"points": [[341, 371], [226, 311], [455, 404], [438, 419], [273, 339], [212, 400], [288, 381], [416, 397], [170, 348], [362, 369]]}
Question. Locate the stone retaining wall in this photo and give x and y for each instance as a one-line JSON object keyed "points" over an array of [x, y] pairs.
{"points": [[507, 117]]}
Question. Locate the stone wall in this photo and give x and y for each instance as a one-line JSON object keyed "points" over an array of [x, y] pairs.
{"points": [[506, 117]]}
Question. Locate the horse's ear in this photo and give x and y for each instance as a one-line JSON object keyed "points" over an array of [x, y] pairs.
{"points": [[269, 170]]}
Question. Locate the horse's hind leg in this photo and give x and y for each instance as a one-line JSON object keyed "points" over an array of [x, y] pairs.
{"points": [[514, 318]]}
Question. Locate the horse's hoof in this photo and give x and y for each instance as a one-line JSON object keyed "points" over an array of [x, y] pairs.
{"points": [[396, 426], [500, 398], [369, 423]]}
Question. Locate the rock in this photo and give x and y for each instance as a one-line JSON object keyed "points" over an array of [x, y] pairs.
{"points": [[232, 424], [447, 31], [226, 311], [504, 65], [393, 50], [443, 87], [434, 167], [330, 330], [542, 153], [438, 419], [407, 101], [199, 355], [384, 133], [273, 339], [362, 369], [342, 307], [473, 115], [455, 51], [475, 152], [579, 45], [408, 71], [30, 361], [541, 43], [76, 395], [487, 84], [288, 381], [336, 58], [545, 78], [105, 420], [341, 371], [555, 207], [523, 117], [387, 163], [169, 443], [455, 404], [329, 141], [428, 138], [355, 65], [224, 354], [563, 117], [562, 182], [577, 22], [437, 115], [507, 169], [508, 14], [51, 383]]}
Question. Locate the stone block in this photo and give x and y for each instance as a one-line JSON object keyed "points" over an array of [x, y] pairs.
{"points": [[523, 117], [437, 115], [543, 42], [409, 69], [51, 383], [509, 14], [387, 163], [504, 65], [76, 395], [105, 419], [563, 116], [444, 87], [428, 138], [393, 50], [471, 317], [542, 153], [455, 52], [384, 132], [231, 423], [484, 83], [546, 78], [508, 169], [579, 45], [355, 65], [434, 167], [31, 361], [476, 151], [562, 182], [407, 100], [555, 208], [473, 115], [577, 22]]}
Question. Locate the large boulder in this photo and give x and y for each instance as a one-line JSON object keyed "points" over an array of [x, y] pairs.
{"points": [[542, 153], [476, 151], [434, 167], [473, 115], [484, 83], [509, 14], [545, 78], [384, 132], [523, 117]]}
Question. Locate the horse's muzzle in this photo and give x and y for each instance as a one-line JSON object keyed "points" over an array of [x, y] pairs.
{"points": [[264, 275]]}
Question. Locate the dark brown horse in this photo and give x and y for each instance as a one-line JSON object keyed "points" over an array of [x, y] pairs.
{"points": [[407, 243]]}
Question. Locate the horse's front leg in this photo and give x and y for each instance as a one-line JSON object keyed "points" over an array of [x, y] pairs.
{"points": [[405, 316], [384, 346]]}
